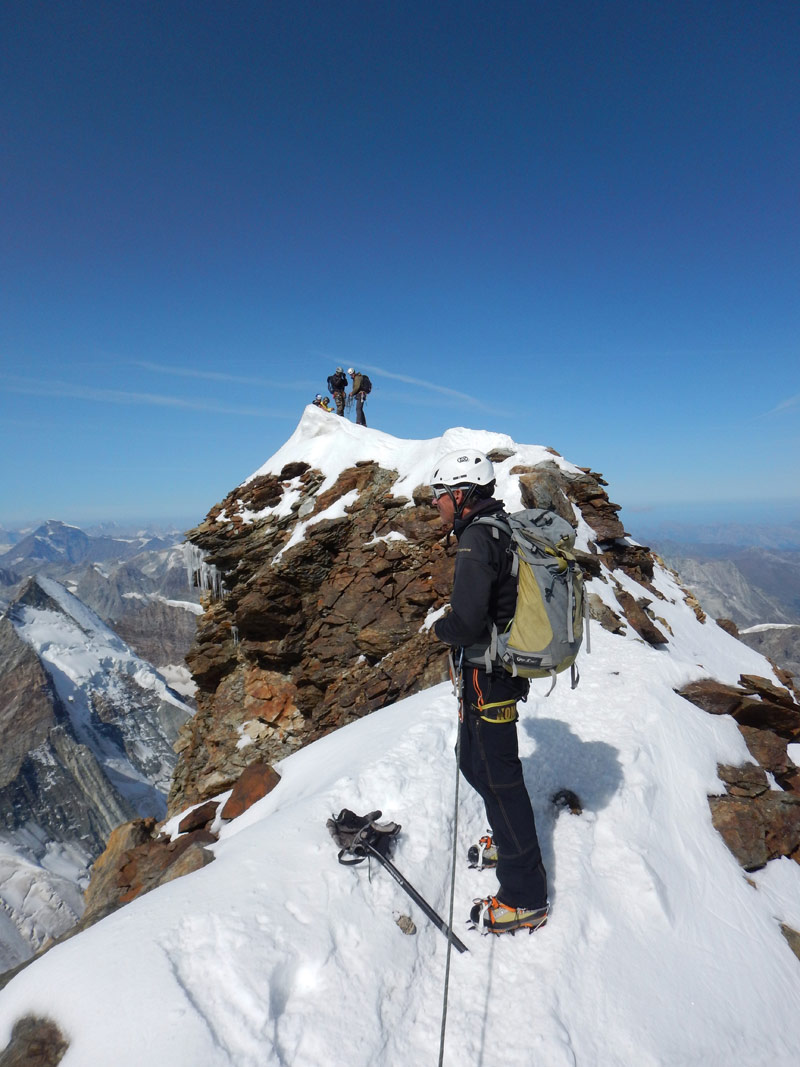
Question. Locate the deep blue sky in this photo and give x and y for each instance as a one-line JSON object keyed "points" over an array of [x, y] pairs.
{"points": [[574, 222]]}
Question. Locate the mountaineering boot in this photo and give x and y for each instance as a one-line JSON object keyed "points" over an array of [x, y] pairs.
{"points": [[484, 854], [490, 916]]}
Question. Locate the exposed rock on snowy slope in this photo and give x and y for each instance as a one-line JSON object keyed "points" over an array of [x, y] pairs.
{"points": [[328, 571], [88, 729], [329, 577], [268, 955]]}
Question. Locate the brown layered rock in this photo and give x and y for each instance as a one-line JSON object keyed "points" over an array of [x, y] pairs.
{"points": [[199, 818], [310, 638], [135, 861], [103, 883], [602, 613], [636, 613], [544, 487], [758, 823], [767, 691], [634, 560], [770, 752], [741, 826], [596, 508], [255, 782], [321, 616], [749, 704], [749, 780], [758, 828], [712, 696]]}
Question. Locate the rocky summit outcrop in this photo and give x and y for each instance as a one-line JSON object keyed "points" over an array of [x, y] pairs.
{"points": [[322, 589], [323, 596]]}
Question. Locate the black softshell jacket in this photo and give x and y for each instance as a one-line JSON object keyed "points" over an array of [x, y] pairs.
{"points": [[484, 590]]}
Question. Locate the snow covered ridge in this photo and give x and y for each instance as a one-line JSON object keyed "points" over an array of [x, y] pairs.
{"points": [[331, 445], [274, 954], [332, 572]]}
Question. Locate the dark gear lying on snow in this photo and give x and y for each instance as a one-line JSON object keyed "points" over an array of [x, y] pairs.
{"points": [[353, 833]]}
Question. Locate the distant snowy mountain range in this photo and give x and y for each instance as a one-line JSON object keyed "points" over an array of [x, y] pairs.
{"points": [[58, 542], [137, 584], [87, 729], [88, 619], [757, 588], [750, 585]]}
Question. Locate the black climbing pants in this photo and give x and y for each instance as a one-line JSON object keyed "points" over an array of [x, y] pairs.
{"points": [[490, 763]]}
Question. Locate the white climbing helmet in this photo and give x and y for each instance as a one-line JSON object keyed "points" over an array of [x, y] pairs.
{"points": [[466, 466], [350, 371]]}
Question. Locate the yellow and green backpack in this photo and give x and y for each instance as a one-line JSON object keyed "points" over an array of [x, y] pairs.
{"points": [[545, 635]]}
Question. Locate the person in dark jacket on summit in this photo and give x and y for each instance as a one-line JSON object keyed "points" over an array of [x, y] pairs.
{"points": [[485, 591], [359, 394], [337, 386]]}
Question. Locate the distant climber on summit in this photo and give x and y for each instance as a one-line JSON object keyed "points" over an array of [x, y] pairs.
{"points": [[361, 386], [321, 401], [337, 387]]}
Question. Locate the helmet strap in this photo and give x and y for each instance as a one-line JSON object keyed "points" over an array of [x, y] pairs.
{"points": [[458, 509]]}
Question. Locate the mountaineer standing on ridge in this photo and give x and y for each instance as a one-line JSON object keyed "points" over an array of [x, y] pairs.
{"points": [[360, 387], [485, 592], [337, 386]]}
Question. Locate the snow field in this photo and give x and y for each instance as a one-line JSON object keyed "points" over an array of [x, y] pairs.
{"points": [[659, 952]]}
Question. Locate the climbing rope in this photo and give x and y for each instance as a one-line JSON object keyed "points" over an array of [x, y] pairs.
{"points": [[457, 690]]}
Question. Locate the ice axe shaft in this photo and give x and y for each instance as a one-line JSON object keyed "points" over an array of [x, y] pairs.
{"points": [[422, 903]]}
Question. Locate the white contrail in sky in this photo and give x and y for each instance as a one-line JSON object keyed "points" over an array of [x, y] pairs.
{"points": [[32, 387], [219, 376], [789, 402], [454, 394]]}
